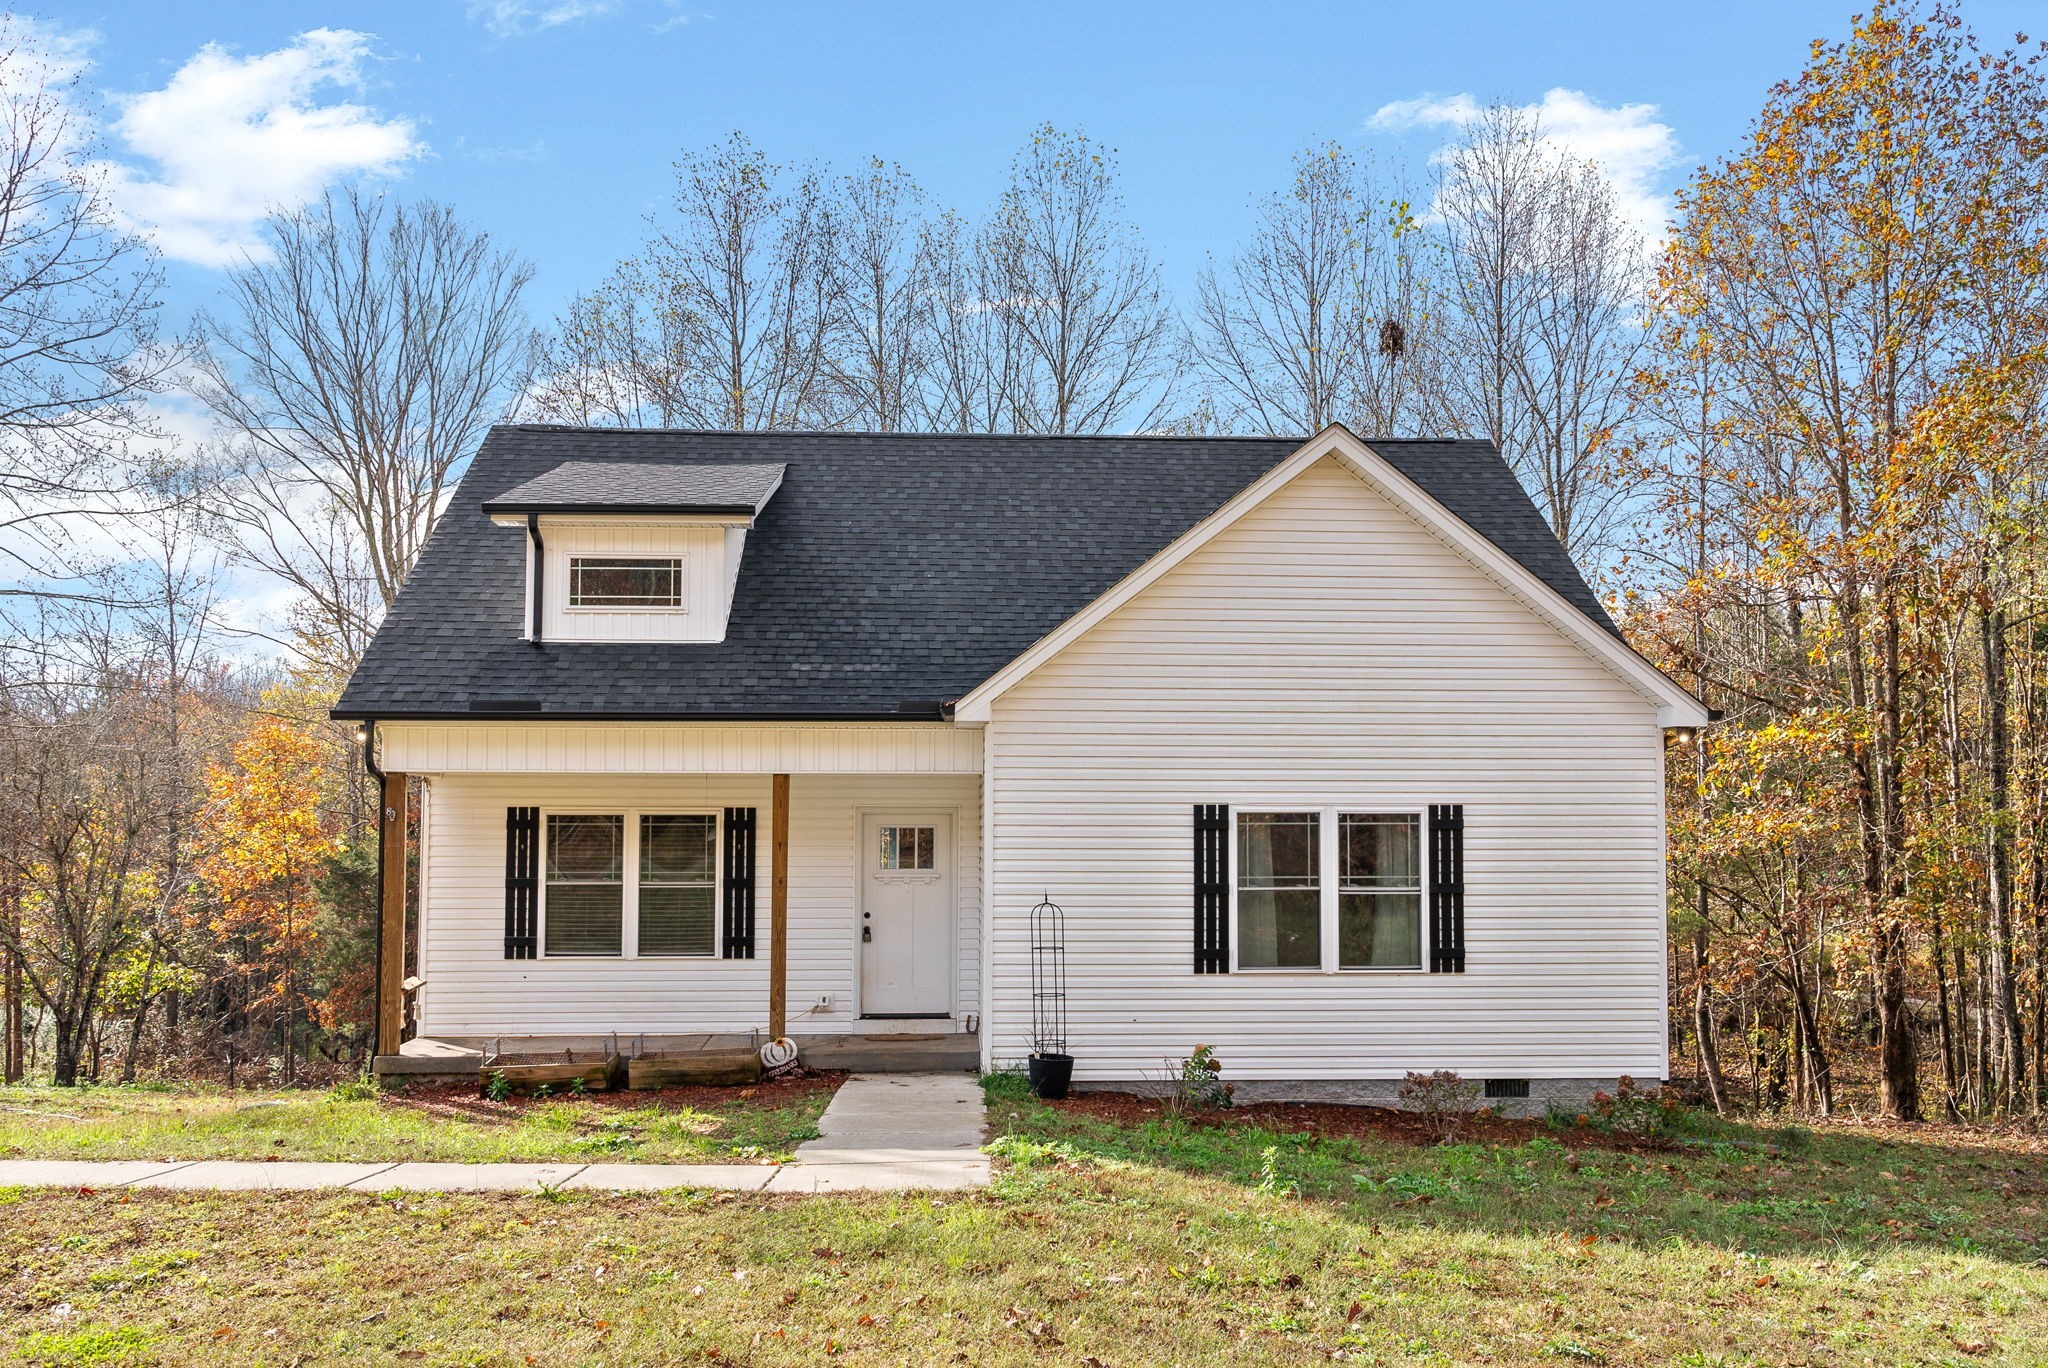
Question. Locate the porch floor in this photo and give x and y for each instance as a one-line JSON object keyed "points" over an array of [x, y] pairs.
{"points": [[893, 1052]]}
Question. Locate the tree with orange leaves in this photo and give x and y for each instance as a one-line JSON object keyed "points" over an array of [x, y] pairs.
{"points": [[266, 845], [1875, 247]]}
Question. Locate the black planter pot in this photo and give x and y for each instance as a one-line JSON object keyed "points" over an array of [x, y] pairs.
{"points": [[1050, 1075]]}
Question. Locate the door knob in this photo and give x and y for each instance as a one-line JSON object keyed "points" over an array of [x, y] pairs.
{"points": [[867, 934]]}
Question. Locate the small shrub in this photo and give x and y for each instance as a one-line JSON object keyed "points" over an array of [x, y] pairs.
{"points": [[1629, 1110], [497, 1087], [1443, 1100], [354, 1090], [1198, 1084]]}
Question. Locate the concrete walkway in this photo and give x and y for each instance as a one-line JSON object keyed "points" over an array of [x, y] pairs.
{"points": [[881, 1133]]}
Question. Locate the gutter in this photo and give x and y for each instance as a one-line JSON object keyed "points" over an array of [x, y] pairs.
{"points": [[367, 734], [921, 712], [540, 570]]}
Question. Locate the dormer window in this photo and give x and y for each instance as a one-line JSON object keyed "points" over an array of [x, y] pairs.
{"points": [[629, 551], [641, 582]]}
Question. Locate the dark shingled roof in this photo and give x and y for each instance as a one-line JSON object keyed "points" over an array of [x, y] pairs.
{"points": [[634, 487], [888, 574]]}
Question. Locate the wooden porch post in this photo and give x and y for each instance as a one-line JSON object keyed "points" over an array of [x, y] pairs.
{"points": [[391, 916], [778, 909]]}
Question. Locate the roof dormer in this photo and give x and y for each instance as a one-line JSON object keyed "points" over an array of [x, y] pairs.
{"points": [[634, 552]]}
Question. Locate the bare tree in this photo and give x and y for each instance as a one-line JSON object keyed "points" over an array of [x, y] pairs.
{"points": [[82, 781], [1324, 316], [884, 260], [723, 319], [1081, 291], [1546, 282], [78, 340], [974, 379], [617, 357], [356, 372]]}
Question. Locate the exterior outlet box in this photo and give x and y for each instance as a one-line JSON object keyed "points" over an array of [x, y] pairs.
{"points": [[824, 1003]]}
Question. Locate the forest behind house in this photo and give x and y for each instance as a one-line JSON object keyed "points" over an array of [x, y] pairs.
{"points": [[1796, 441]]}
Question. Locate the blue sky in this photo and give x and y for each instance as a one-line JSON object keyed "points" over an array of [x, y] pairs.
{"points": [[553, 122]]}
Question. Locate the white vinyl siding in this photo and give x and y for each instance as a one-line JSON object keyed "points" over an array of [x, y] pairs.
{"points": [[1330, 653], [701, 551], [555, 747], [472, 990]]}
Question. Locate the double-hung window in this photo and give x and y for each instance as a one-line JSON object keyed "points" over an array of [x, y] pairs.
{"points": [[678, 884], [1329, 889], [586, 889], [1279, 890], [632, 884]]}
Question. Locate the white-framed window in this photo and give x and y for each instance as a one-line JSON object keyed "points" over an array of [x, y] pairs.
{"points": [[908, 847], [1328, 889], [667, 908], [678, 911], [643, 583]]}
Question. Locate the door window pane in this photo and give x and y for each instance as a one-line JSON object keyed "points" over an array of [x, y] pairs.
{"points": [[625, 582], [908, 847], [585, 885], [678, 884], [1279, 900], [1379, 890]]}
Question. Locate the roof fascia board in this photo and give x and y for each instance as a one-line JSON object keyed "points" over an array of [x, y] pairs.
{"points": [[1675, 707], [587, 516]]}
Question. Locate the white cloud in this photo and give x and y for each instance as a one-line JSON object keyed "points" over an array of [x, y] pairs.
{"points": [[232, 138], [1635, 149], [511, 18], [532, 153], [518, 18]]}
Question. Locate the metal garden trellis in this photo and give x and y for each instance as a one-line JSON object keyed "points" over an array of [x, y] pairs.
{"points": [[1051, 1067]]}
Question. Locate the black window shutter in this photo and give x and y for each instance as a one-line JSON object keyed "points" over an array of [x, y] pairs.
{"points": [[522, 881], [1447, 888], [738, 939], [1212, 888]]}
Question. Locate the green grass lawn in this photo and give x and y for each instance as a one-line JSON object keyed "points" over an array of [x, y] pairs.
{"points": [[1139, 1242], [442, 1123]]}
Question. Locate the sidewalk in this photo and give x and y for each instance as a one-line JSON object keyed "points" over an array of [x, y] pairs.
{"points": [[881, 1133]]}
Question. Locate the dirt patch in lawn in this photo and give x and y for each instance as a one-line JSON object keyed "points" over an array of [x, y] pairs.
{"points": [[1333, 1119], [451, 1099]]}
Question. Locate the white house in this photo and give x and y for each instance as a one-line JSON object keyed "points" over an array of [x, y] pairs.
{"points": [[1324, 748]]}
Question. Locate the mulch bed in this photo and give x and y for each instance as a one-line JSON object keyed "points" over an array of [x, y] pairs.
{"points": [[460, 1099], [1333, 1119]]}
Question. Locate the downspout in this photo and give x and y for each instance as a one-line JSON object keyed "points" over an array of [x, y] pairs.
{"points": [[367, 734], [540, 567]]}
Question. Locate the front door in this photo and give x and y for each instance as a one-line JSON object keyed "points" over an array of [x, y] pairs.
{"points": [[906, 915]]}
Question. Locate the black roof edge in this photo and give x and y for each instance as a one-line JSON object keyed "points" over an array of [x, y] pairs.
{"points": [[694, 510], [919, 712], [1296, 438]]}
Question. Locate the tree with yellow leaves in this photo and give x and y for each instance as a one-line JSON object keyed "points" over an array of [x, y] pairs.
{"points": [[1871, 254], [266, 844]]}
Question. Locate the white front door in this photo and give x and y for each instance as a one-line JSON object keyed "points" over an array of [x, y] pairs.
{"points": [[906, 915]]}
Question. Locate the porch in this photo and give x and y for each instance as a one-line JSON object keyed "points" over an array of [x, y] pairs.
{"points": [[723, 886]]}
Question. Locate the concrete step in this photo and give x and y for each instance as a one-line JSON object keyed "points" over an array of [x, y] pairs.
{"points": [[883, 1054]]}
